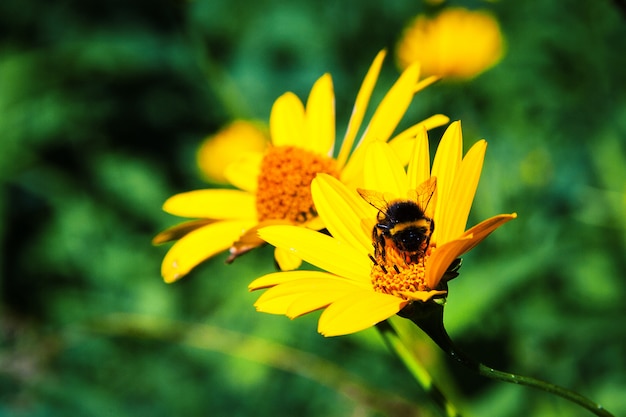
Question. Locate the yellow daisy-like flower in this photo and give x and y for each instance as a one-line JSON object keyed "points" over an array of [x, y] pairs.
{"points": [[455, 44], [363, 287], [274, 186], [225, 147]]}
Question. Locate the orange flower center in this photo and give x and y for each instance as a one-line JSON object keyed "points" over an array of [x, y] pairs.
{"points": [[284, 188], [393, 275]]}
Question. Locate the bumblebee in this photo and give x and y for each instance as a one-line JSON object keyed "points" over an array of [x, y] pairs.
{"points": [[402, 224]]}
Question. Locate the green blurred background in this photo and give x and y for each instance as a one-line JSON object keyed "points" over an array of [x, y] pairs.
{"points": [[102, 108]]}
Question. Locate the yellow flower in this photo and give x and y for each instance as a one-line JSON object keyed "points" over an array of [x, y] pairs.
{"points": [[221, 149], [274, 187], [456, 44], [361, 287]]}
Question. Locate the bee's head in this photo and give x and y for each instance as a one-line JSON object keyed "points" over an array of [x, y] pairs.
{"points": [[410, 239]]}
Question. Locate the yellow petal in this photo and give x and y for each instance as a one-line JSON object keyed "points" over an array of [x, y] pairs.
{"points": [[360, 106], [443, 256], [432, 122], [342, 210], [227, 145], [425, 83], [314, 300], [459, 201], [320, 117], [320, 250], [244, 172], [383, 170], [441, 259], [358, 311], [274, 305], [314, 223], [445, 166], [436, 120], [392, 107], [276, 278], [200, 245], [402, 145], [485, 228], [212, 204], [286, 261], [250, 239], [180, 230], [352, 172], [297, 297], [448, 158], [422, 295], [287, 121], [419, 165], [404, 141]]}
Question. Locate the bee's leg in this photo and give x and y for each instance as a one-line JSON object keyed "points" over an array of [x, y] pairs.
{"points": [[380, 245], [377, 264], [422, 250]]}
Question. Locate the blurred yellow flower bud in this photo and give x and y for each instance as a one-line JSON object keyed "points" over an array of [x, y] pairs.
{"points": [[455, 44], [228, 145]]}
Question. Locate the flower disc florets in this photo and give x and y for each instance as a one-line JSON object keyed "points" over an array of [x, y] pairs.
{"points": [[393, 275], [284, 183]]}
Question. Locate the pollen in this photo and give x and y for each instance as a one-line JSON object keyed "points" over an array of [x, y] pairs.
{"points": [[394, 275], [284, 184]]}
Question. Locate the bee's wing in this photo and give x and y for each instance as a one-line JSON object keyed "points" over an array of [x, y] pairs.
{"points": [[375, 198], [425, 195]]}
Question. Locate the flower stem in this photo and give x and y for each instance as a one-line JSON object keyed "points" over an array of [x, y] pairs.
{"points": [[429, 318], [421, 375]]}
